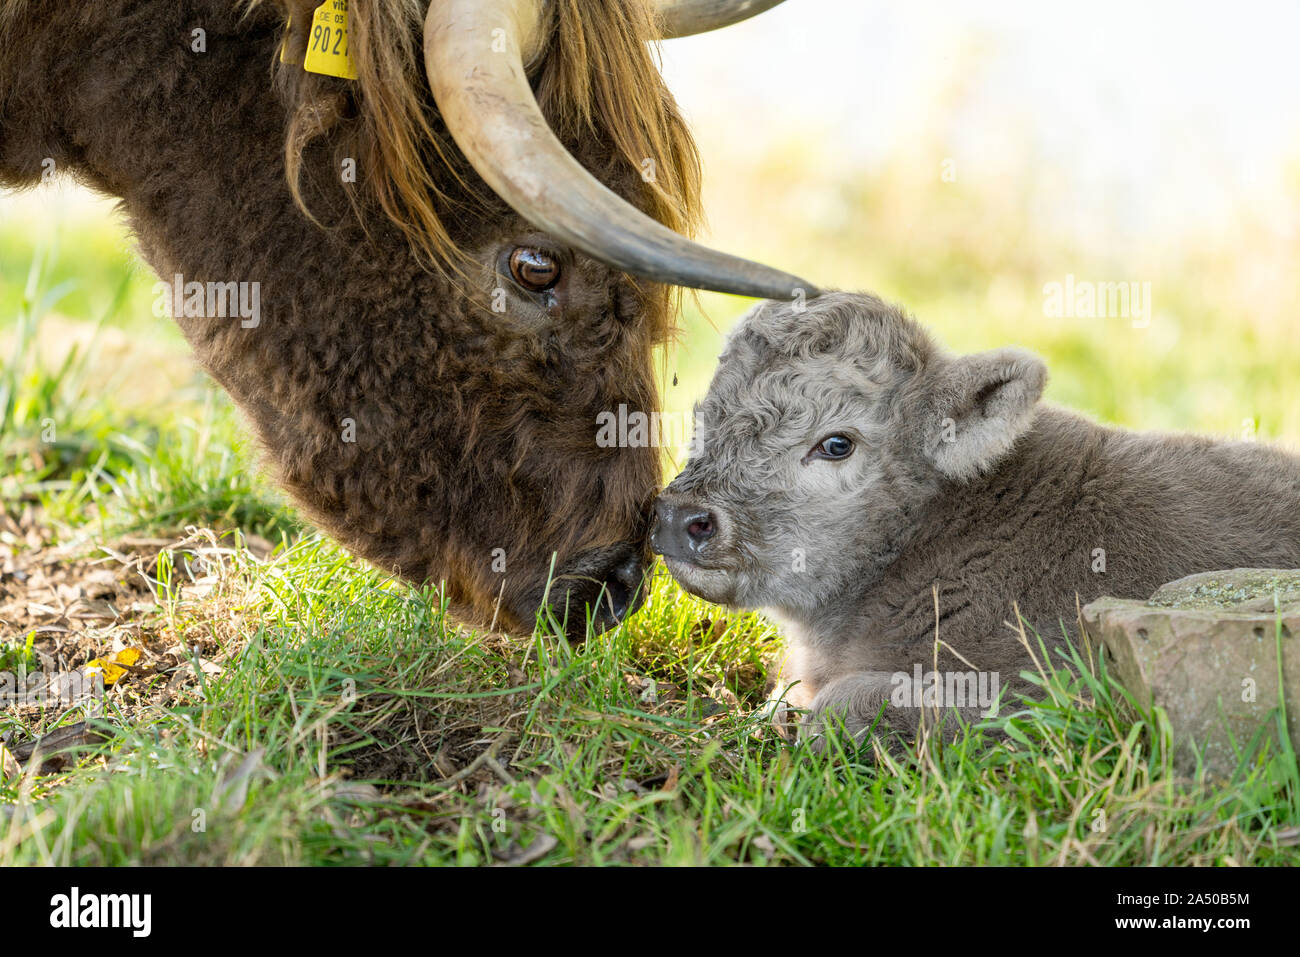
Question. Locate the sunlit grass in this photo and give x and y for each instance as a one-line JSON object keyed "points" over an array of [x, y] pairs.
{"points": [[349, 708]]}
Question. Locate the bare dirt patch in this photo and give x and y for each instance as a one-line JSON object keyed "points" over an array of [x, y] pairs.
{"points": [[80, 618]]}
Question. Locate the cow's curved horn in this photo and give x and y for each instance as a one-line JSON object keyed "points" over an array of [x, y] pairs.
{"points": [[474, 53], [683, 18]]}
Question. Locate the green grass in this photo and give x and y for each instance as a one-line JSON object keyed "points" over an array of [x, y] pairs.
{"points": [[67, 449], [323, 740], [353, 723]]}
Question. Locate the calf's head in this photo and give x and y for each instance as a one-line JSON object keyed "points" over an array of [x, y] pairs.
{"points": [[822, 438]]}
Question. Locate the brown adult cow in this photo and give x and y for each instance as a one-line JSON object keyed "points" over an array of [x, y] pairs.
{"points": [[443, 250]]}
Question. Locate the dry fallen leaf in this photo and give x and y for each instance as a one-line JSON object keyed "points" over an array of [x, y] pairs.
{"points": [[1287, 836], [542, 845], [231, 791], [9, 766], [112, 669]]}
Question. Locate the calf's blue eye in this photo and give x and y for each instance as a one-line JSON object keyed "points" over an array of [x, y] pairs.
{"points": [[834, 447]]}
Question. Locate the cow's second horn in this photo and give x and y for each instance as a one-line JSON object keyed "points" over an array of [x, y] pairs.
{"points": [[474, 52], [683, 18]]}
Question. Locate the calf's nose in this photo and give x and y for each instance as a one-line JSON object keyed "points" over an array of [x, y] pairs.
{"points": [[681, 530]]}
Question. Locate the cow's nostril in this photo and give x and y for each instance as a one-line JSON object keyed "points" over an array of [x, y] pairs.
{"points": [[629, 572], [624, 588]]}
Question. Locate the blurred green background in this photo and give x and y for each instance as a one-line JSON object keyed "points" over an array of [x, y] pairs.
{"points": [[957, 158]]}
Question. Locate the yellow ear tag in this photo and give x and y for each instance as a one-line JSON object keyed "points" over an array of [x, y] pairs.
{"points": [[327, 52]]}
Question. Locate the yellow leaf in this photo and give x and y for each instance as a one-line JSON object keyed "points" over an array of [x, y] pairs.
{"points": [[112, 670]]}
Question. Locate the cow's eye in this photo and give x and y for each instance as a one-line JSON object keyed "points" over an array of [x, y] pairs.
{"points": [[833, 447], [533, 269]]}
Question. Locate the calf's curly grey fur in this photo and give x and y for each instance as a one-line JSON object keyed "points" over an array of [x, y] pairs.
{"points": [[964, 498]]}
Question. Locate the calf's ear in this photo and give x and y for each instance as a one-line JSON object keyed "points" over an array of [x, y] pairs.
{"points": [[979, 406]]}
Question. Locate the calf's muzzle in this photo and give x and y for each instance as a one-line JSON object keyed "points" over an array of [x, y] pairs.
{"points": [[682, 529]]}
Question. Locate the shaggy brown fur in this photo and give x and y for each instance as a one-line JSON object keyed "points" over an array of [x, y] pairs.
{"points": [[959, 483], [474, 430], [592, 83]]}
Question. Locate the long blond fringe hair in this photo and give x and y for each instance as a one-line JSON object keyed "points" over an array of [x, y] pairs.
{"points": [[598, 80]]}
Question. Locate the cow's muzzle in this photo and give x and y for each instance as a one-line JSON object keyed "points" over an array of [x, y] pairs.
{"points": [[599, 589]]}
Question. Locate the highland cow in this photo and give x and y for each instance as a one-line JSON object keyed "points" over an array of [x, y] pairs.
{"points": [[896, 507], [458, 257]]}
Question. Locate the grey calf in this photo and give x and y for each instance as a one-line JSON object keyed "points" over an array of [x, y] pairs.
{"points": [[846, 470]]}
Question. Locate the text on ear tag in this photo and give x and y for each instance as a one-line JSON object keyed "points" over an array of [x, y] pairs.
{"points": [[327, 48]]}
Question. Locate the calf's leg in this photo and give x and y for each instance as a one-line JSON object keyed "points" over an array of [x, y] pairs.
{"points": [[861, 701]]}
